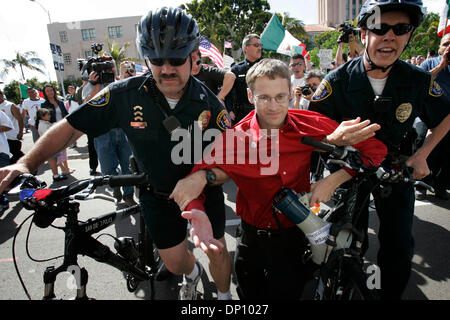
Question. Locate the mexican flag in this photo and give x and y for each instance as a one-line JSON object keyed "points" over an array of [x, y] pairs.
{"points": [[444, 20], [23, 91], [276, 38]]}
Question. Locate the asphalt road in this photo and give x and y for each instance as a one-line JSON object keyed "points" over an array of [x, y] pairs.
{"points": [[430, 278]]}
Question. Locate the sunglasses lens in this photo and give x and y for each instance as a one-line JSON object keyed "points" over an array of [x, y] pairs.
{"points": [[399, 29], [176, 62], [157, 62], [402, 28]]}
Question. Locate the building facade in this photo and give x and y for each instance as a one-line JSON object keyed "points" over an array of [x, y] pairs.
{"points": [[76, 38], [334, 12]]}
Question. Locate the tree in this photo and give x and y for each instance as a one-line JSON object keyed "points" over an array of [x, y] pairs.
{"points": [[229, 20], [28, 60], [118, 52], [424, 38]]}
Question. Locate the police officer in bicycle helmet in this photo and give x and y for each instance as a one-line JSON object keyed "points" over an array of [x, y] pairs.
{"points": [[391, 94], [153, 109]]}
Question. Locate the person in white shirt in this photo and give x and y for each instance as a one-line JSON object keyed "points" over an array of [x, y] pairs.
{"points": [[32, 105], [14, 135], [5, 126], [298, 68]]}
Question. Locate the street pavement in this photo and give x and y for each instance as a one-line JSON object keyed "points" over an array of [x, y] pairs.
{"points": [[430, 278]]}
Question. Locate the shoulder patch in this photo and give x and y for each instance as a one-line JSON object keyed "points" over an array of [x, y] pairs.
{"points": [[223, 120], [323, 91], [435, 89], [101, 99]]}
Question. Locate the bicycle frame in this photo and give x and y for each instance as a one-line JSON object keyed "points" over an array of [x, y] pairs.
{"points": [[79, 240]]}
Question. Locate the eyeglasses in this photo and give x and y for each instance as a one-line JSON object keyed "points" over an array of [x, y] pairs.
{"points": [[256, 45], [280, 99], [297, 64], [174, 62], [399, 29]]}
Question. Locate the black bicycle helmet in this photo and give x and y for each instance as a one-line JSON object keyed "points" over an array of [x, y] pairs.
{"points": [[413, 7], [167, 33]]}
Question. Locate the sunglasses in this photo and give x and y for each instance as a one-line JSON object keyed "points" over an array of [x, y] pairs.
{"points": [[174, 62], [297, 64], [256, 45], [399, 29]]}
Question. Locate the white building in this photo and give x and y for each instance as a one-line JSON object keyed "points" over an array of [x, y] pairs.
{"points": [[76, 38]]}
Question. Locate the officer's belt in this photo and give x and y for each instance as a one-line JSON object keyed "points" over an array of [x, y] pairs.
{"points": [[265, 233], [158, 194]]}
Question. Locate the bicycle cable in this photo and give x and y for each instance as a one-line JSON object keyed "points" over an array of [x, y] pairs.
{"points": [[14, 256], [28, 251]]}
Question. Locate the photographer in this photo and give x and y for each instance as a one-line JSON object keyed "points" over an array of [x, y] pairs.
{"points": [[304, 94], [127, 69], [348, 37], [112, 147]]}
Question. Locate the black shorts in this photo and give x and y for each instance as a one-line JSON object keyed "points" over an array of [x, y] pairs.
{"points": [[167, 227]]}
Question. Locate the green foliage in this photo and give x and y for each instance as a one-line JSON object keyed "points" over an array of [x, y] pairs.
{"points": [[12, 91], [118, 52], [325, 40], [229, 20], [424, 38]]}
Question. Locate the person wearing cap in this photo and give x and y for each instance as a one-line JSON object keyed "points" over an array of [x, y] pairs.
{"points": [[156, 111], [419, 60], [392, 93]]}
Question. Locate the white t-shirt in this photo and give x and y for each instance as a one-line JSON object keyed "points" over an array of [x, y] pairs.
{"points": [[4, 122], [44, 126], [6, 108], [32, 106], [296, 82], [172, 102], [377, 85]]}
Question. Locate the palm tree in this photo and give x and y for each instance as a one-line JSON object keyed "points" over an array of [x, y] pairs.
{"points": [[117, 52], [430, 35], [27, 60]]}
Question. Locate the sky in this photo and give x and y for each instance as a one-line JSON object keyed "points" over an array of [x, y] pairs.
{"points": [[23, 23]]}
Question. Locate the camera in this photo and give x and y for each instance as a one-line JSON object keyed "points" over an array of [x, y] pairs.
{"points": [[349, 32], [102, 65], [307, 90]]}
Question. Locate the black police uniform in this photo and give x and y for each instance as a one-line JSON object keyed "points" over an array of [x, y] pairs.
{"points": [[212, 77], [409, 92], [130, 104], [239, 97]]}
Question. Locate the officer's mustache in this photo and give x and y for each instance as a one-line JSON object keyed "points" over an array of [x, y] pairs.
{"points": [[168, 76]]}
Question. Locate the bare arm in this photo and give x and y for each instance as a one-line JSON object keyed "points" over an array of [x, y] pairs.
{"points": [[191, 187], [16, 113], [338, 59], [227, 85], [444, 64], [418, 161]]}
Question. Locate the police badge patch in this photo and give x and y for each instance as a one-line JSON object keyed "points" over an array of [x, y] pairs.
{"points": [[203, 119], [323, 91], [435, 89], [223, 120], [403, 112], [101, 99]]}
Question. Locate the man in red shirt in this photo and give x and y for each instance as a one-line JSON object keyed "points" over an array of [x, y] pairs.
{"points": [[263, 154]]}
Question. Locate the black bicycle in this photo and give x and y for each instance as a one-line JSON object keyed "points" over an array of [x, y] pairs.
{"points": [[139, 261], [341, 275]]}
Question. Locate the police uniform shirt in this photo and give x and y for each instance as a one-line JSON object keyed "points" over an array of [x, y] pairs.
{"points": [[409, 93], [130, 105], [240, 85], [211, 77]]}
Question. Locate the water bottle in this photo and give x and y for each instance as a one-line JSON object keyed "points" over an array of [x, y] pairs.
{"points": [[297, 210]]}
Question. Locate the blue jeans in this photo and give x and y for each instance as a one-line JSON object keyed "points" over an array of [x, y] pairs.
{"points": [[113, 149]]}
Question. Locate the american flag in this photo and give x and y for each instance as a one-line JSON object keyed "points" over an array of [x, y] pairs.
{"points": [[227, 45], [207, 49], [140, 69]]}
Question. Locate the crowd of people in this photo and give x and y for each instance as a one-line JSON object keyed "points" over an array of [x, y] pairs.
{"points": [[267, 104]]}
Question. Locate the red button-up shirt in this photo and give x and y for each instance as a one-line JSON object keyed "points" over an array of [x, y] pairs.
{"points": [[285, 159]]}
